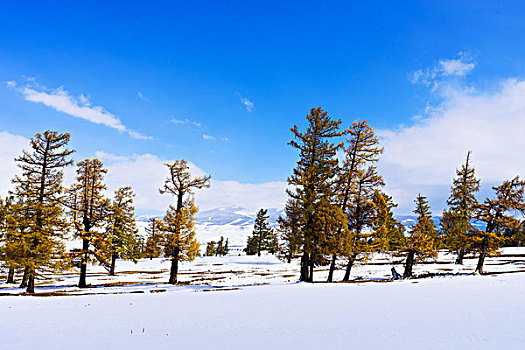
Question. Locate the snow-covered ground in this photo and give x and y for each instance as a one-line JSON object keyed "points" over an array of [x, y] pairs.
{"points": [[250, 302]]}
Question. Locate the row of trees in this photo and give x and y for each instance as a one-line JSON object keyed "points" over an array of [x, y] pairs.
{"points": [[337, 209], [40, 214]]}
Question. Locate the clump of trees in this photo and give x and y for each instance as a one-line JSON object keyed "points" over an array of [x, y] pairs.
{"points": [[337, 209], [39, 213]]}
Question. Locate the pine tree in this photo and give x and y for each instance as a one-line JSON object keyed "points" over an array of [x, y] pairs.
{"points": [[421, 243], [456, 221], [210, 248], [39, 194], [180, 184], [499, 216], [121, 235], [312, 185], [178, 228], [363, 151], [89, 209], [220, 247], [154, 242], [263, 238], [388, 233]]}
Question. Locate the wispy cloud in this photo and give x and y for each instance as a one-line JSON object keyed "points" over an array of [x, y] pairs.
{"points": [[142, 97], [247, 103], [78, 107], [208, 137], [455, 67], [185, 121]]}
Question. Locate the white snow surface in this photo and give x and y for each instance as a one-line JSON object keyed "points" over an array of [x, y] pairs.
{"points": [[245, 302]]}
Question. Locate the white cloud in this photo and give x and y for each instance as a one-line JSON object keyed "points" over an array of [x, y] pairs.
{"points": [[142, 97], [78, 107], [247, 103], [146, 174], [445, 68], [422, 158], [185, 121], [208, 137], [11, 146]]}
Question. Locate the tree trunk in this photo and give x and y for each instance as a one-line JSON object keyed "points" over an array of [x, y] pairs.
{"points": [[174, 267], [332, 269], [112, 267], [10, 275], [482, 255], [461, 255], [24, 279], [348, 269], [311, 275], [30, 281], [409, 263], [83, 267], [304, 268]]}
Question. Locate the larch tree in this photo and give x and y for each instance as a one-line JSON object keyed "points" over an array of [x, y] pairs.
{"points": [[263, 237], [88, 210], [210, 248], [362, 151], [388, 233], [40, 194], [312, 185], [456, 223], [180, 240], [180, 184], [421, 243], [121, 238], [288, 232], [154, 242], [360, 213], [499, 215]]}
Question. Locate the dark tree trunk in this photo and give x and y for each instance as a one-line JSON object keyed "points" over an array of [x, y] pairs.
{"points": [[112, 267], [409, 263], [332, 269], [482, 255], [346, 278], [30, 281], [24, 279], [461, 255], [83, 266], [11, 276], [174, 267], [304, 268], [311, 275]]}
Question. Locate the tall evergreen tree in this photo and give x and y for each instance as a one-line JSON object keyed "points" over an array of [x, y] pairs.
{"points": [[210, 248], [180, 184], [181, 244], [39, 192], [499, 215], [421, 243], [288, 231], [362, 151], [263, 237], [121, 238], [312, 185], [456, 221], [89, 209]]}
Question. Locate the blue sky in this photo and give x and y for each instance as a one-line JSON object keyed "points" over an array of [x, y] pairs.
{"points": [[221, 83]]}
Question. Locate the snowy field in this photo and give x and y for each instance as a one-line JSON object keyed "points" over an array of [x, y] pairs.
{"points": [[240, 302]]}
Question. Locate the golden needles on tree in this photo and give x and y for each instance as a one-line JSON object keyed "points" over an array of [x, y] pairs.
{"points": [[180, 242]]}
